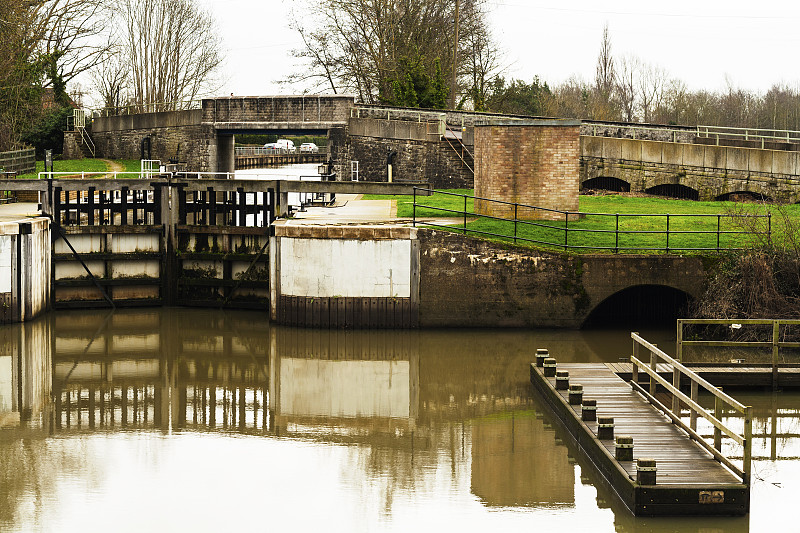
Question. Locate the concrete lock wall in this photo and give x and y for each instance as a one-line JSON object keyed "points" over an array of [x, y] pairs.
{"points": [[343, 275], [531, 162], [468, 282], [24, 269]]}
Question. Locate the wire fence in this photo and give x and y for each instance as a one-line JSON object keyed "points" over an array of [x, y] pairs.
{"points": [[583, 232]]}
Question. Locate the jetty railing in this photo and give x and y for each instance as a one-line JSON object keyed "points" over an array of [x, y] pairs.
{"points": [[584, 231], [721, 400], [774, 343]]}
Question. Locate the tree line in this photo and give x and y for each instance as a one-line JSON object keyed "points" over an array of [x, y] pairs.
{"points": [[151, 54], [158, 54]]}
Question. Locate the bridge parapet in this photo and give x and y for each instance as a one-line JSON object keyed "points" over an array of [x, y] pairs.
{"points": [[275, 109]]}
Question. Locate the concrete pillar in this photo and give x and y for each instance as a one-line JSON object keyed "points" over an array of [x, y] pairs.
{"points": [[225, 152]]}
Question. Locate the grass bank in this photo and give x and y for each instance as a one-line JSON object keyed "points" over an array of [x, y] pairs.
{"points": [[84, 165], [615, 223]]}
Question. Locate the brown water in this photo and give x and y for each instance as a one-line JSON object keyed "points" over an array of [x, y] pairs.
{"points": [[196, 420]]}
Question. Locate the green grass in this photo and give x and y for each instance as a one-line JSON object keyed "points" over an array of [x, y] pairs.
{"points": [[82, 165], [597, 229]]}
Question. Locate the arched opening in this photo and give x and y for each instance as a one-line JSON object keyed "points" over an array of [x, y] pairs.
{"points": [[605, 183], [742, 196], [674, 190], [640, 306]]}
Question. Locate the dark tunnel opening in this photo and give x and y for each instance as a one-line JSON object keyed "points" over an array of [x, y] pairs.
{"points": [[640, 306]]}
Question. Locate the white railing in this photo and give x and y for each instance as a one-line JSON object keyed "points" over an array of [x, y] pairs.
{"points": [[721, 399], [748, 134], [97, 175]]}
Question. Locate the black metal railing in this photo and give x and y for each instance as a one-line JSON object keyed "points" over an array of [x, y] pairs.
{"points": [[237, 207], [583, 231]]}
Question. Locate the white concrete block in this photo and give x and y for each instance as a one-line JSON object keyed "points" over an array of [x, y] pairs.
{"points": [[5, 263]]}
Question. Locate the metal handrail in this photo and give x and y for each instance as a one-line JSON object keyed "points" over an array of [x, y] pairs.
{"points": [[463, 149], [564, 244], [96, 174], [155, 107], [749, 134], [695, 409]]}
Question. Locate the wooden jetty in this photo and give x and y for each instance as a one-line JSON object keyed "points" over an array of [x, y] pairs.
{"points": [[669, 469], [727, 375]]}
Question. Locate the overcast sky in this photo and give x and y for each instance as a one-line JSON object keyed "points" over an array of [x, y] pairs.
{"points": [[702, 42]]}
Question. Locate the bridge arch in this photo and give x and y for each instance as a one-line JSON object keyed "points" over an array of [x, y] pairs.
{"points": [[674, 190], [639, 305], [743, 196], [606, 183]]}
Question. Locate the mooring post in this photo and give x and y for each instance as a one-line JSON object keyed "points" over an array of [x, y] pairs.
{"points": [[541, 355], [646, 471], [575, 394], [589, 410], [605, 427], [562, 380], [624, 448], [549, 367]]}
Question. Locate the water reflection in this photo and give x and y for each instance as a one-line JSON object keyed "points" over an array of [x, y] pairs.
{"points": [[172, 408]]}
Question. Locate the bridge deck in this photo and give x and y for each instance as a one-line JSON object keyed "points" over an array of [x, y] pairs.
{"points": [[684, 468]]}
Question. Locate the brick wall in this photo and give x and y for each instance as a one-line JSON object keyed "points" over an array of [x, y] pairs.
{"points": [[535, 163]]}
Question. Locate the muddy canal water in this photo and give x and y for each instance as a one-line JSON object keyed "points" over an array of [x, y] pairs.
{"points": [[198, 420]]}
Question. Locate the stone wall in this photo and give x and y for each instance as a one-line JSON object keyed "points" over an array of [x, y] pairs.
{"points": [[467, 282], [290, 109], [194, 145], [534, 163], [712, 171], [431, 161]]}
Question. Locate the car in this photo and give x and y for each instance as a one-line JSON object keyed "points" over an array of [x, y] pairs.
{"points": [[286, 145], [272, 146], [309, 147]]}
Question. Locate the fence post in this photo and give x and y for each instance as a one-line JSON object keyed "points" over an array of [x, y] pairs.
{"points": [[653, 365], [719, 222], [679, 341], [616, 236], [769, 228], [635, 367], [515, 222], [775, 335], [748, 443], [693, 394], [667, 232], [414, 210], [566, 229], [465, 214], [718, 416], [676, 382]]}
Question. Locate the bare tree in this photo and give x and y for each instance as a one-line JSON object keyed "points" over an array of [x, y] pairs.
{"points": [[368, 47], [172, 50], [111, 79], [626, 81]]}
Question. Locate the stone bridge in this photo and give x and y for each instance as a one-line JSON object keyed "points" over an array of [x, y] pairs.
{"points": [[438, 146]]}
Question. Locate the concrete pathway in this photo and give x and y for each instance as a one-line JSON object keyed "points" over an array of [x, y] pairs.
{"points": [[17, 211]]}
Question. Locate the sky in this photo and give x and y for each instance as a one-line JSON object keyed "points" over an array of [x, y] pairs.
{"points": [[705, 43]]}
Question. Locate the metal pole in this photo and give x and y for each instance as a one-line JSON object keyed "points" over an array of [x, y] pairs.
{"points": [[616, 236], [566, 229], [719, 218], [414, 210], [667, 232], [515, 223], [465, 214]]}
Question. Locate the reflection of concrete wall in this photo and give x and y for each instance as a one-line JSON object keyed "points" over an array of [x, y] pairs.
{"points": [[310, 387], [6, 383], [515, 461]]}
